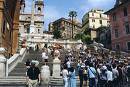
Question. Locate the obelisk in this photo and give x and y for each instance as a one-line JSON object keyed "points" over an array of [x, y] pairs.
{"points": [[32, 27]]}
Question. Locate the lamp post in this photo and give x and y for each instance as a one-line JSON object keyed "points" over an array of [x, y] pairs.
{"points": [[72, 14]]}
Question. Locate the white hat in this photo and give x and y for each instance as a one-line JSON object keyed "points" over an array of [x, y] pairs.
{"points": [[104, 67]]}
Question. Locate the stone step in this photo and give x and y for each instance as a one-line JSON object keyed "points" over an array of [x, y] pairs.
{"points": [[17, 74], [58, 82], [13, 81]]}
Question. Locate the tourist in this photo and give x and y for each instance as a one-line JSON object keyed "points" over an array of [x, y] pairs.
{"points": [[44, 56], [85, 75], [80, 72], [27, 64], [92, 75], [72, 77], [115, 75], [65, 73], [33, 76], [103, 77], [109, 76]]}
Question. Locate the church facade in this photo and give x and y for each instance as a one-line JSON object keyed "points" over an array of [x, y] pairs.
{"points": [[33, 19]]}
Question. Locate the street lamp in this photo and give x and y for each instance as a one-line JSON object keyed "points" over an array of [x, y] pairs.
{"points": [[72, 14]]}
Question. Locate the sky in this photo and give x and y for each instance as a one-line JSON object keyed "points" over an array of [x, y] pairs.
{"points": [[55, 9]]}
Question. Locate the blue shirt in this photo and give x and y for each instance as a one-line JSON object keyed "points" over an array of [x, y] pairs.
{"points": [[91, 72]]}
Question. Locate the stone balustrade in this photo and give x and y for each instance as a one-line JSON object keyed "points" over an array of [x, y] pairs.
{"points": [[14, 60]]}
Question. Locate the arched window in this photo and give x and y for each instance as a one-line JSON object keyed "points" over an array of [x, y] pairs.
{"points": [[28, 30], [39, 9], [38, 30]]}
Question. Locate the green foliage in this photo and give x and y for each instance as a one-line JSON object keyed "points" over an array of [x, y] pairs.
{"points": [[57, 34], [78, 36], [86, 39]]}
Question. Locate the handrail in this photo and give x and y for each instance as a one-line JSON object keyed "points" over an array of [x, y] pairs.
{"points": [[14, 60], [22, 53]]}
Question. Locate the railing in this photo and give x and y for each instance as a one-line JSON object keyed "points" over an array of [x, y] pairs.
{"points": [[14, 60]]}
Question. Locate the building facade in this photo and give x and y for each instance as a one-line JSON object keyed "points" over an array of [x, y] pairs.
{"points": [[9, 21], [93, 20], [65, 26], [104, 36], [33, 19], [120, 25]]}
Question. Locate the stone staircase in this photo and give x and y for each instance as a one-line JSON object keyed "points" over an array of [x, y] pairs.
{"points": [[17, 77], [58, 82]]}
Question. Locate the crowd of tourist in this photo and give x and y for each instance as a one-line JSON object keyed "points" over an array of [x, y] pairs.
{"points": [[95, 69]]}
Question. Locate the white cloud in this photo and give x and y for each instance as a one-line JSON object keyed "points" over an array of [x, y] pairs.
{"points": [[100, 4]]}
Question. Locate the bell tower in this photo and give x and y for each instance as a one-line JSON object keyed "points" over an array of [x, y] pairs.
{"points": [[22, 7], [39, 5]]}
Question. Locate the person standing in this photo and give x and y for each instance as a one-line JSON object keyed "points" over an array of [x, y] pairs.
{"points": [[27, 64], [65, 76], [115, 75], [80, 72], [72, 77], [92, 75], [33, 76], [44, 56], [109, 76]]}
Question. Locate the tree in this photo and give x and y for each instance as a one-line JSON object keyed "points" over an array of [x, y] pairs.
{"points": [[57, 34], [72, 14], [86, 39], [78, 36]]}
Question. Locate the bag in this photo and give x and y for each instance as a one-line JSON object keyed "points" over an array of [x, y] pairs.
{"points": [[85, 71]]}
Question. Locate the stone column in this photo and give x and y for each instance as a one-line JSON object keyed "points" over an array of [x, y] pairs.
{"points": [[2, 63], [56, 64]]}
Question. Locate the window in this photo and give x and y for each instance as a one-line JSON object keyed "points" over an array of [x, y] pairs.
{"points": [[93, 26], [127, 29], [4, 27], [125, 11], [39, 9], [93, 20], [128, 45], [28, 30], [114, 17], [38, 30], [116, 33], [100, 21], [88, 15], [100, 15], [117, 46], [92, 14]]}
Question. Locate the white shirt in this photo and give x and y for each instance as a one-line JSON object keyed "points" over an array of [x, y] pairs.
{"points": [[109, 76], [44, 55], [64, 73], [68, 64]]}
